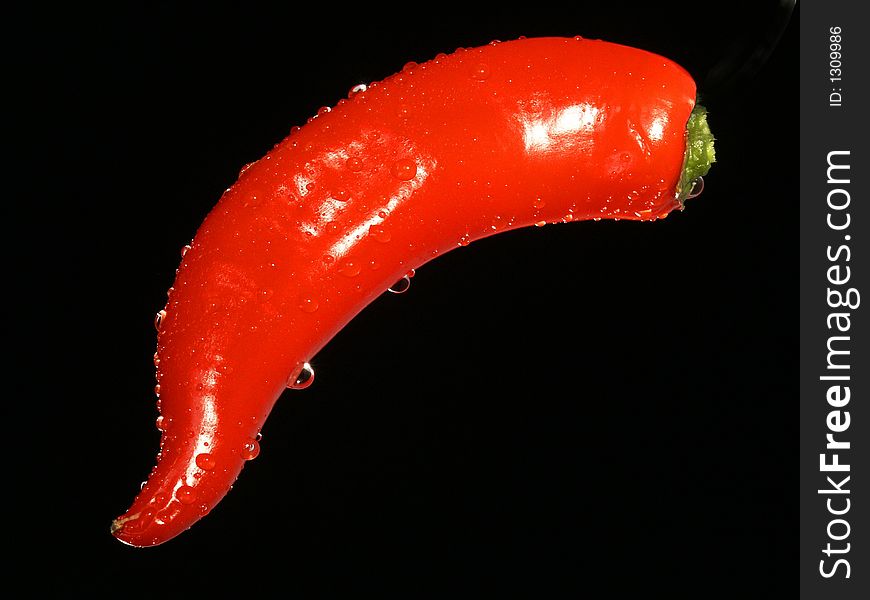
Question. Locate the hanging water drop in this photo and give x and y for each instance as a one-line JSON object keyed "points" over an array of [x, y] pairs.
{"points": [[357, 89], [697, 188], [158, 319], [303, 379], [401, 286]]}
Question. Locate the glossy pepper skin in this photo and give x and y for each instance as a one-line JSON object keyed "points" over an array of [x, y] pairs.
{"points": [[443, 153]]}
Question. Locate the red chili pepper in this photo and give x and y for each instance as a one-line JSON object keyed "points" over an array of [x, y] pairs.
{"points": [[482, 141]]}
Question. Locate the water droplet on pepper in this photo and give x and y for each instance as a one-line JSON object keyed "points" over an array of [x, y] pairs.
{"points": [[350, 268], [404, 169], [205, 461], [380, 234], [186, 494], [480, 72], [308, 304]]}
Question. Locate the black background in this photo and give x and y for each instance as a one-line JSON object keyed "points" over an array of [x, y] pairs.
{"points": [[544, 412]]}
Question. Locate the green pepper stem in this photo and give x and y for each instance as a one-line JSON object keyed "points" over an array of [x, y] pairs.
{"points": [[700, 152]]}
